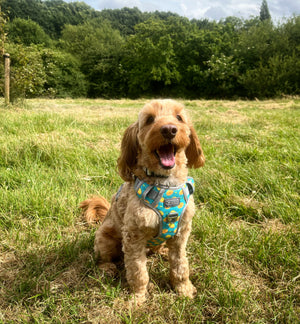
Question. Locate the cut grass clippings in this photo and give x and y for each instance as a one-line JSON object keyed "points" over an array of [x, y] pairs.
{"points": [[244, 247]]}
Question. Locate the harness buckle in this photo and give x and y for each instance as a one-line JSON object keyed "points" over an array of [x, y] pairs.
{"points": [[172, 217], [171, 202]]}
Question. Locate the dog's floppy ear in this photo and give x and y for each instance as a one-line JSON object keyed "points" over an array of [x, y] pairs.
{"points": [[194, 151], [129, 150]]}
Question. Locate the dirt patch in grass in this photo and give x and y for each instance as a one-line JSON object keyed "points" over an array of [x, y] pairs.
{"points": [[248, 202], [233, 117], [275, 226], [84, 110], [253, 287], [7, 272], [244, 279], [229, 116], [276, 104]]}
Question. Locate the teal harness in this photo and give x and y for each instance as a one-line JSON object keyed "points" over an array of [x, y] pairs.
{"points": [[169, 203]]}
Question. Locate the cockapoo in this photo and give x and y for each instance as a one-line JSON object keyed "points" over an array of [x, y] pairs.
{"points": [[155, 204]]}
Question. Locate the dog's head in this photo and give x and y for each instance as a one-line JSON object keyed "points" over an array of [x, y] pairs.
{"points": [[162, 140]]}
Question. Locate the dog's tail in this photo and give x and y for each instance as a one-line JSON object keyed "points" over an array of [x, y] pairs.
{"points": [[95, 209]]}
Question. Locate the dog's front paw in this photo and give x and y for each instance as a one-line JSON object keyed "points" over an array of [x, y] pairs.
{"points": [[136, 300], [186, 289], [109, 269]]}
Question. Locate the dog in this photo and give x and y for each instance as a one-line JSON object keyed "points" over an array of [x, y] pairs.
{"points": [[155, 204]]}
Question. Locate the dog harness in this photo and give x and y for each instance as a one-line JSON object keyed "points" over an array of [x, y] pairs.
{"points": [[169, 203]]}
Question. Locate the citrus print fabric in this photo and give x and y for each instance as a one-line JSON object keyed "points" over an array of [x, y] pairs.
{"points": [[169, 204]]}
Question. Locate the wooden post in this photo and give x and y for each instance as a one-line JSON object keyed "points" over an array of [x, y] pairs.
{"points": [[6, 77]]}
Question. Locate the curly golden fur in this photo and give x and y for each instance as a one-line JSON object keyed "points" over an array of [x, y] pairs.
{"points": [[158, 148]]}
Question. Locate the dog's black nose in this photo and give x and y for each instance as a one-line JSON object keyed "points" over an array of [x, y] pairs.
{"points": [[168, 131]]}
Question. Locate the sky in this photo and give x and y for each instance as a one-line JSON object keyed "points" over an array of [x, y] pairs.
{"points": [[199, 9]]}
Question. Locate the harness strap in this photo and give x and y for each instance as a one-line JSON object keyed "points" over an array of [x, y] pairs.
{"points": [[169, 203], [119, 192]]}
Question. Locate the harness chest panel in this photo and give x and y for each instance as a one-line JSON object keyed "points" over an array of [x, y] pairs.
{"points": [[169, 203]]}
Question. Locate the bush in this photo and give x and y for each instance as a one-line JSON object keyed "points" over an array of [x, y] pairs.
{"points": [[27, 32], [63, 75], [98, 48], [44, 72], [28, 76], [279, 76]]}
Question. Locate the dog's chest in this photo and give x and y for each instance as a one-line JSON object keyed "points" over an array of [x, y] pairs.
{"points": [[154, 211], [168, 203], [133, 211]]}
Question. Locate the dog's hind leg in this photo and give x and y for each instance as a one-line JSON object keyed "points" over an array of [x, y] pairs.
{"points": [[107, 247]]}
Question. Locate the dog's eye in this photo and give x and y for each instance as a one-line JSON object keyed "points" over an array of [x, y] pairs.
{"points": [[149, 120], [179, 118]]}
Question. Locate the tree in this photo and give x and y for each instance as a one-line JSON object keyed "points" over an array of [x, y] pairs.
{"points": [[27, 32], [63, 75], [150, 60], [123, 19], [97, 46], [264, 11], [126, 52], [256, 45], [28, 76], [51, 15], [280, 75], [3, 31]]}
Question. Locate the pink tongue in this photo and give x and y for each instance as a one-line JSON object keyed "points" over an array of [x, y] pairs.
{"points": [[166, 155]]}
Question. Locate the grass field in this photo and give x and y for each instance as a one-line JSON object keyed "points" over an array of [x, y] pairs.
{"points": [[244, 248]]}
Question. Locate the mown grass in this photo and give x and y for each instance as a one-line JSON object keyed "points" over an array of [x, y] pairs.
{"points": [[244, 248]]}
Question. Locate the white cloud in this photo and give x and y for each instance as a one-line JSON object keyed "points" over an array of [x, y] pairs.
{"points": [[284, 8], [113, 4], [183, 8], [218, 9], [215, 13]]}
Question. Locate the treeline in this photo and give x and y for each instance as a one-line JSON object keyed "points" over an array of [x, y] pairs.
{"points": [[61, 49]]}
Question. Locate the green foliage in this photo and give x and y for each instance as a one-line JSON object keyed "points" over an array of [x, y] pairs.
{"points": [[27, 32], [210, 69], [221, 76], [98, 47], [290, 32], [91, 40], [51, 15], [264, 13], [63, 75], [3, 29], [269, 59], [44, 72], [256, 44], [127, 53], [27, 73], [124, 19], [280, 75], [150, 58]]}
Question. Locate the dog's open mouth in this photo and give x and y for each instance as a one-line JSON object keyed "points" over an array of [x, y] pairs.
{"points": [[166, 155]]}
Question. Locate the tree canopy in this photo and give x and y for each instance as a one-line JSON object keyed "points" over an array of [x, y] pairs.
{"points": [[75, 50]]}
